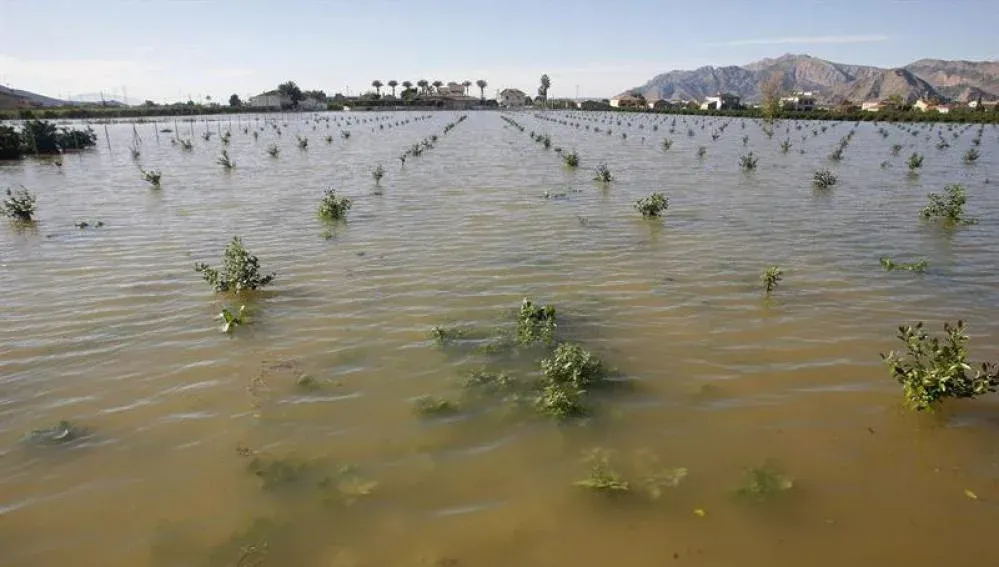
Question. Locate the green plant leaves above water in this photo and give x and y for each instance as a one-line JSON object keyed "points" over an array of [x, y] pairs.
{"points": [[935, 368], [650, 478], [240, 270], [535, 323], [763, 483], [918, 267], [602, 477], [432, 406]]}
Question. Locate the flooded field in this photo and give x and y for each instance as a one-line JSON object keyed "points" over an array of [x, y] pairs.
{"points": [[297, 440]]}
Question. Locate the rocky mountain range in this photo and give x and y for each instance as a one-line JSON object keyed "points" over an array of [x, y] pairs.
{"points": [[833, 82]]}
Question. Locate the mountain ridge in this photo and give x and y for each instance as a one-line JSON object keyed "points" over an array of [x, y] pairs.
{"points": [[832, 82]]}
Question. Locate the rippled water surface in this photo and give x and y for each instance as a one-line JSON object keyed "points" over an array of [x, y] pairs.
{"points": [[111, 329]]}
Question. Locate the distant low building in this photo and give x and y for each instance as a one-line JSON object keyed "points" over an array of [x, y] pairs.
{"points": [[664, 105], [872, 106], [800, 100], [452, 89], [628, 101], [721, 101], [271, 99], [311, 104], [511, 98], [923, 105]]}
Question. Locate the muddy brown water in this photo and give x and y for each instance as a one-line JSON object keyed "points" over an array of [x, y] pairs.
{"points": [[111, 329]]}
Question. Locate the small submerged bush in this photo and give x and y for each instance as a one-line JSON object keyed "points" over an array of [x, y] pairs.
{"points": [[333, 208], [378, 173], [573, 365], [225, 161], [785, 146], [918, 267], [603, 174], [152, 177], [933, 369], [653, 205], [914, 162], [240, 270], [896, 149], [602, 477], [823, 179], [19, 205], [771, 277], [571, 159], [701, 150], [536, 323], [430, 406], [748, 162], [273, 150], [667, 144], [971, 156], [229, 320], [948, 207], [762, 483], [445, 335]]}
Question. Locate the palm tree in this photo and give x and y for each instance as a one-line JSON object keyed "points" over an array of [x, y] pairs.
{"points": [[437, 86], [466, 84], [378, 86], [393, 83], [482, 88], [422, 83]]}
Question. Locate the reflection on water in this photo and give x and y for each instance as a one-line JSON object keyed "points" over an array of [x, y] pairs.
{"points": [[294, 441]]}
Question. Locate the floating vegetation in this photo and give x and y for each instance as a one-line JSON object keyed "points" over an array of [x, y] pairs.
{"points": [[948, 207], [333, 208], [446, 335], [60, 433], [823, 179], [771, 277], [84, 224], [748, 162], [603, 174], [152, 177], [652, 205], [483, 383], [432, 406], [602, 477], [763, 483], [918, 267], [654, 478], [20, 205], [933, 369], [240, 270], [535, 323]]}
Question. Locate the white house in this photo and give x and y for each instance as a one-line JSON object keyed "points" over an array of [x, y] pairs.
{"points": [[871, 106], [800, 100], [627, 101], [512, 98], [922, 105], [272, 99], [720, 101]]}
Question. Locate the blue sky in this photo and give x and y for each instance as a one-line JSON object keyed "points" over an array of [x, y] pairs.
{"points": [[169, 49]]}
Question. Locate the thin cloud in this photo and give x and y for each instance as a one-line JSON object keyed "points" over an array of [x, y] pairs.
{"points": [[812, 40]]}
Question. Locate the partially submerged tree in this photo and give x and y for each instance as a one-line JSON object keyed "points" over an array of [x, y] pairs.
{"points": [[240, 270]]}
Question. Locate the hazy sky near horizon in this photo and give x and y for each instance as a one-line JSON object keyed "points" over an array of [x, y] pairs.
{"points": [[166, 50]]}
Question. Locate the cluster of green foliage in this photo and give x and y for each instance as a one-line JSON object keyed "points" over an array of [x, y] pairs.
{"points": [[225, 161], [431, 406], [240, 270], [273, 150], [918, 267], [948, 207], [571, 159], [823, 179], [648, 474], [652, 205], [152, 177], [19, 205], [971, 156], [229, 320], [935, 369], [443, 336], [536, 323], [333, 208], [914, 162], [785, 146], [667, 144], [41, 137], [566, 377], [771, 277], [602, 477]]}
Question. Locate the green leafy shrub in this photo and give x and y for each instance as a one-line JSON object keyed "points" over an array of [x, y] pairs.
{"points": [[823, 179], [333, 208], [896, 149], [771, 277], [240, 270], [186, 145], [11, 144], [445, 335], [229, 320], [225, 161], [535, 323], [571, 159], [971, 156], [573, 365], [273, 150], [667, 144], [303, 143], [19, 205], [935, 369], [949, 207], [785, 146], [914, 162], [653, 205], [45, 138]]}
